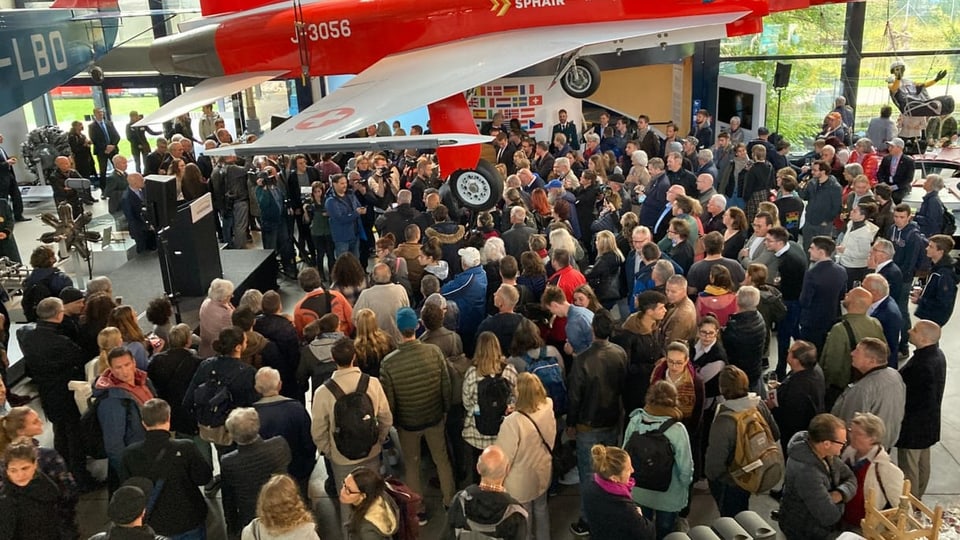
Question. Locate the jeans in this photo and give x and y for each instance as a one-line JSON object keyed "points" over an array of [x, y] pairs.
{"points": [[200, 533], [353, 246], [538, 518], [436, 442], [786, 330], [731, 499], [323, 247], [276, 237], [585, 441], [665, 522]]}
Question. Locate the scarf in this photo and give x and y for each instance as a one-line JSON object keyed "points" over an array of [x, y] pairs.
{"points": [[854, 225], [614, 488], [713, 290], [686, 394], [138, 390]]}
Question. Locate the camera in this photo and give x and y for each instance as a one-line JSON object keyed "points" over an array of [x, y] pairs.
{"points": [[383, 172]]}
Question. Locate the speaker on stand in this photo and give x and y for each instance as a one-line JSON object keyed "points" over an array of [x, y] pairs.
{"points": [[781, 79]]}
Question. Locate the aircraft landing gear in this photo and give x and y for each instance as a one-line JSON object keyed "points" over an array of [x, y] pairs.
{"points": [[581, 79], [477, 189]]}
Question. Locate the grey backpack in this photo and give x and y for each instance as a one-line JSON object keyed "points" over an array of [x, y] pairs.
{"points": [[482, 531]]}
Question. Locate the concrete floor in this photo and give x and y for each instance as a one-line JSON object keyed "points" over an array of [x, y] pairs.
{"points": [[944, 485]]}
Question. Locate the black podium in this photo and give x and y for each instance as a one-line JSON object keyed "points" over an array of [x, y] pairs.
{"points": [[189, 252]]}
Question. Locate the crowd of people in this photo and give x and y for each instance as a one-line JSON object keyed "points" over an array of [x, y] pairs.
{"points": [[608, 324]]}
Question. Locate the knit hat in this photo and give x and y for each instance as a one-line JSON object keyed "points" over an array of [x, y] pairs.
{"points": [[407, 319], [129, 500], [70, 294]]}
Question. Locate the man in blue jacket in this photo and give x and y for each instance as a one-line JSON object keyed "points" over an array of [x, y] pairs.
{"points": [[345, 213], [824, 284], [468, 290]]}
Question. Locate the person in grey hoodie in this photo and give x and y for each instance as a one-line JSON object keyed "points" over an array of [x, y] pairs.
{"points": [[316, 361], [817, 483], [734, 385]]}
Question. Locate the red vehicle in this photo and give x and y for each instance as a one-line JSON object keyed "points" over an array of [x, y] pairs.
{"points": [[410, 53]]}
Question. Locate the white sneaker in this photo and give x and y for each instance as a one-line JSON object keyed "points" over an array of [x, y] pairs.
{"points": [[571, 478]]}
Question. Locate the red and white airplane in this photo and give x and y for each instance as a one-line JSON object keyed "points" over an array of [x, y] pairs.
{"points": [[407, 53]]}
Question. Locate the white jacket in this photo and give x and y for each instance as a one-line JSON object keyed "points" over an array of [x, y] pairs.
{"points": [[883, 477]]}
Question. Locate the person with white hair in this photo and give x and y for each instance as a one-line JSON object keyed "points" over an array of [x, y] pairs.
{"points": [[385, 297], [215, 312], [745, 335], [285, 417], [468, 290]]}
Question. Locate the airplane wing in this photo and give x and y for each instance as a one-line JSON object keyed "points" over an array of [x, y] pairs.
{"points": [[352, 145], [400, 83], [207, 91]]}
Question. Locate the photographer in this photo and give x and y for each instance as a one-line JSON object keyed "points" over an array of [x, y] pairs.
{"points": [[271, 198], [300, 175]]}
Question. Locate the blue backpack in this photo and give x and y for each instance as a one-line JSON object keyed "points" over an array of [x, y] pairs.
{"points": [[548, 370]]}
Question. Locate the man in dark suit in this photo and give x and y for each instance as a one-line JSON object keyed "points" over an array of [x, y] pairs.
{"points": [[880, 261], [154, 160], [132, 205], [105, 139], [300, 175], [896, 169], [568, 129], [884, 309], [8, 183], [395, 220], [824, 284], [516, 239], [924, 377], [543, 165], [791, 265], [505, 151]]}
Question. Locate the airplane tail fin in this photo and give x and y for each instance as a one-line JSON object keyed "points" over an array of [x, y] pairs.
{"points": [[101, 5], [218, 7]]}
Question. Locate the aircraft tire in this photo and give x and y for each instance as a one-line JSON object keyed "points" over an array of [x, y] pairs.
{"points": [[477, 189], [582, 79]]}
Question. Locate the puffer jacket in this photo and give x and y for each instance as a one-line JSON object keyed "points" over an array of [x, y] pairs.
{"points": [[469, 290], [381, 522], [451, 240], [416, 381], [806, 510]]}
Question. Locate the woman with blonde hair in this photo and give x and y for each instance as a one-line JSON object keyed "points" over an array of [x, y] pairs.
{"points": [[108, 338], [608, 510], [767, 206], [124, 318], [281, 513], [372, 344], [560, 238], [604, 275], [527, 438], [597, 165], [480, 427]]}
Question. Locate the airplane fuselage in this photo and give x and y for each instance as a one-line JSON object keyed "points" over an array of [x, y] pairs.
{"points": [[41, 49], [347, 36]]}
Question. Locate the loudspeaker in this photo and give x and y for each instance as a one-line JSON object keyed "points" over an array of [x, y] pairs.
{"points": [[781, 79], [161, 200]]}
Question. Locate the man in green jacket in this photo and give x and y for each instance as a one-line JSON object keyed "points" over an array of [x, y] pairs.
{"points": [[417, 384], [843, 338]]}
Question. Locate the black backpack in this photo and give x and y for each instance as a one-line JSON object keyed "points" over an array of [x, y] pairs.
{"points": [[948, 225], [493, 393], [34, 294], [652, 456], [356, 428], [91, 432], [213, 401]]}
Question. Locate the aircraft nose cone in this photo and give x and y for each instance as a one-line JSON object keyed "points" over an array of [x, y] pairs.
{"points": [[191, 53]]}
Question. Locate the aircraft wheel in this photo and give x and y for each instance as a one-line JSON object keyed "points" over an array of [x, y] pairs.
{"points": [[582, 79], [477, 189]]}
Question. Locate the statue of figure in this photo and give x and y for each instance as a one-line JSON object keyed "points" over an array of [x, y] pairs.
{"points": [[912, 99]]}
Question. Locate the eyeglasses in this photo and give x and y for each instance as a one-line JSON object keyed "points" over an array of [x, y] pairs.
{"points": [[708, 333], [676, 363], [343, 487], [843, 444]]}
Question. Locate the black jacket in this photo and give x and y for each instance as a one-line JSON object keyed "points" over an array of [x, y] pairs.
{"points": [[486, 508], [612, 517], [35, 511], [244, 471], [52, 360], [799, 399], [180, 506], [116, 532], [743, 338], [171, 372], [504, 326], [643, 351], [239, 375], [516, 239], [604, 277], [396, 220], [595, 386], [279, 330], [924, 376], [940, 293]]}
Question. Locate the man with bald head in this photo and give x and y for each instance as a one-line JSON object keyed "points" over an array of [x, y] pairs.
{"points": [[395, 220], [58, 181], [384, 298], [884, 309], [431, 200], [924, 376], [486, 506], [843, 338]]}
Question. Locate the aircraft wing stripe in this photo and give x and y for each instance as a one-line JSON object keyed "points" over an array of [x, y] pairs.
{"points": [[467, 63], [435, 140], [5, 62]]}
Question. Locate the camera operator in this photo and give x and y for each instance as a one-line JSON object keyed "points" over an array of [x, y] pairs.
{"points": [[300, 175], [271, 195], [232, 200]]}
